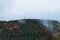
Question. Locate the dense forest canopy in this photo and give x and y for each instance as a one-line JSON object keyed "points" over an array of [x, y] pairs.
{"points": [[28, 29]]}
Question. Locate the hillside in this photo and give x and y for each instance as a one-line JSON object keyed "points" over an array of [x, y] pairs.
{"points": [[29, 29]]}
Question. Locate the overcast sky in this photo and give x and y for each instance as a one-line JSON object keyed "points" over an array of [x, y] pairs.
{"points": [[37, 9]]}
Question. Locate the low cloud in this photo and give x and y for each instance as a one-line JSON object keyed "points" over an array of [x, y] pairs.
{"points": [[39, 9]]}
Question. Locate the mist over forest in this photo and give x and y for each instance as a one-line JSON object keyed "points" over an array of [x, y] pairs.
{"points": [[29, 29]]}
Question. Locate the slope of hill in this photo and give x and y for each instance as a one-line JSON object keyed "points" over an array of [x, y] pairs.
{"points": [[28, 29]]}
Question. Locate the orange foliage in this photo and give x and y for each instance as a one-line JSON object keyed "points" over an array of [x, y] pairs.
{"points": [[10, 28]]}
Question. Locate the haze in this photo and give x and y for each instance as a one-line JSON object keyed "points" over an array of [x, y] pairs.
{"points": [[33, 9]]}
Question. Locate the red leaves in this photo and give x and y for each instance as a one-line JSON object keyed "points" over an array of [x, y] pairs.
{"points": [[56, 34], [16, 26], [11, 26], [1, 30]]}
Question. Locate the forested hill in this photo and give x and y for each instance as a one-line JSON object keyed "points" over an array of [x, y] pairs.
{"points": [[28, 29]]}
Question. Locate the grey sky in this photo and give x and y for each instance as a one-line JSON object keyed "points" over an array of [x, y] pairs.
{"points": [[39, 9]]}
